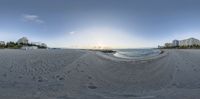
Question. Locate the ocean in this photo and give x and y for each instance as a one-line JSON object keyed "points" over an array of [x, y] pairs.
{"points": [[136, 53]]}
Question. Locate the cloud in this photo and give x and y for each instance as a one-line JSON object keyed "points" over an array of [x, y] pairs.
{"points": [[73, 32], [32, 18]]}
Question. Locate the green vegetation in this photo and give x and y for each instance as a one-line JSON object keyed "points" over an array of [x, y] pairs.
{"points": [[184, 47], [13, 45], [2, 46], [22, 42]]}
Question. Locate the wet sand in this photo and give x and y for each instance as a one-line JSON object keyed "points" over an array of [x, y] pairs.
{"points": [[82, 74]]}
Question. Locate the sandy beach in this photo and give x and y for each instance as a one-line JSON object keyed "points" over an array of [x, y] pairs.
{"points": [[82, 74]]}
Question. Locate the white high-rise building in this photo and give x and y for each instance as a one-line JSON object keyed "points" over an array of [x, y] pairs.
{"points": [[175, 43], [189, 42], [23, 40]]}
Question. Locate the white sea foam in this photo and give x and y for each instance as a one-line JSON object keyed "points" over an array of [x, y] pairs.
{"points": [[137, 53]]}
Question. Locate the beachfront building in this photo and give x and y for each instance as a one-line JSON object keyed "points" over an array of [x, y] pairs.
{"points": [[189, 42], [29, 47], [186, 43], [175, 43], [2, 43], [36, 43], [44, 45], [168, 45], [39, 44], [160, 46], [22, 40]]}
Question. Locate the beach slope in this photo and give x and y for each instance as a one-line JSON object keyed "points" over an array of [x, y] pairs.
{"points": [[83, 74]]}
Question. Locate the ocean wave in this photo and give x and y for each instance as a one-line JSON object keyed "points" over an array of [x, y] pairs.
{"points": [[136, 53]]}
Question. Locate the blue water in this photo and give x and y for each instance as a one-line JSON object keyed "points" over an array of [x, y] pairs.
{"points": [[136, 53]]}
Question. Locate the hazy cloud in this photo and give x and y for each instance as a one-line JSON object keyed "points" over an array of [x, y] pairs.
{"points": [[32, 18], [73, 32]]}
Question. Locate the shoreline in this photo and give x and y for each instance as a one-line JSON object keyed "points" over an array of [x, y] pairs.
{"points": [[112, 57]]}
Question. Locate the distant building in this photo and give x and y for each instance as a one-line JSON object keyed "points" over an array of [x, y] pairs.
{"points": [[36, 43], [168, 45], [2, 43], [43, 45], [39, 44], [23, 40], [175, 43], [29, 47], [160, 46], [189, 42]]}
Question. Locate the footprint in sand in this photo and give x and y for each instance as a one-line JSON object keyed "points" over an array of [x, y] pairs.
{"points": [[92, 87], [5, 75], [20, 77], [68, 71], [89, 77], [59, 77], [41, 79], [196, 70]]}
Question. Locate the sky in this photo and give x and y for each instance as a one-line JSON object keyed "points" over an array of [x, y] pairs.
{"points": [[104, 23]]}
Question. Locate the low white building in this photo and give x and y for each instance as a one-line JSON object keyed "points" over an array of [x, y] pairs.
{"points": [[36, 43], [44, 45], [39, 44], [29, 47]]}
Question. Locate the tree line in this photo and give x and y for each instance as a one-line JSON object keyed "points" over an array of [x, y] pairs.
{"points": [[184, 47], [14, 45], [11, 45]]}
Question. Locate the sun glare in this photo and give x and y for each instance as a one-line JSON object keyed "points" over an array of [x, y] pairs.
{"points": [[104, 38]]}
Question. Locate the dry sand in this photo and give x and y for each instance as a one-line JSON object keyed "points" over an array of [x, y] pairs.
{"points": [[82, 74]]}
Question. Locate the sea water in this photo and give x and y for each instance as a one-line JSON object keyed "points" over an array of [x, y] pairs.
{"points": [[136, 53]]}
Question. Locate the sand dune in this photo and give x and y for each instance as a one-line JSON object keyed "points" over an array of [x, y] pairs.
{"points": [[82, 74]]}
